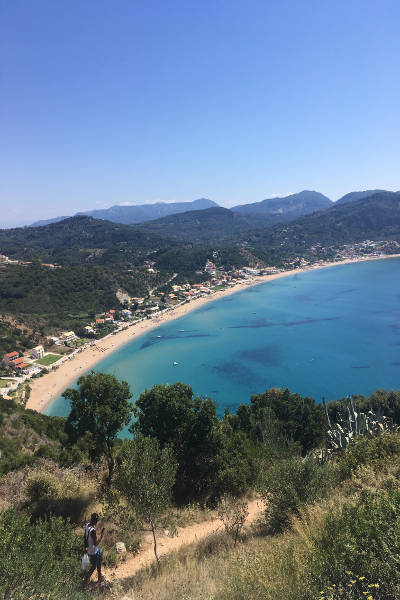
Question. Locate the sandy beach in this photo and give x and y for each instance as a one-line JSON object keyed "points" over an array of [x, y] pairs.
{"points": [[45, 389]]}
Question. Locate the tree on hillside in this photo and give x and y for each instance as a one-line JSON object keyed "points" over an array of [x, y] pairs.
{"points": [[279, 418], [100, 406], [145, 476], [212, 458], [174, 417]]}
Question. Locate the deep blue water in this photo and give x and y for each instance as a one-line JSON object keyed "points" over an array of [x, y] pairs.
{"points": [[330, 332]]}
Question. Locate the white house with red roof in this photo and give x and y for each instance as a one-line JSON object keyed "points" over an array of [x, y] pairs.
{"points": [[8, 359]]}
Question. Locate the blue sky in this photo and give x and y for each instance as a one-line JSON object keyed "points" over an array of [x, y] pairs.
{"points": [[125, 101]]}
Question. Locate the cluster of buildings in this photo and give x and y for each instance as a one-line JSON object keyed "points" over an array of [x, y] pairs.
{"points": [[20, 364], [14, 361], [5, 260], [63, 339], [367, 248]]}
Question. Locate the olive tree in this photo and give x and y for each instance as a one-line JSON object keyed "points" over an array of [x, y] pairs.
{"points": [[144, 476]]}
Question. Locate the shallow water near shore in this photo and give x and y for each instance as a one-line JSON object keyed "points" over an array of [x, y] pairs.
{"points": [[329, 332]]}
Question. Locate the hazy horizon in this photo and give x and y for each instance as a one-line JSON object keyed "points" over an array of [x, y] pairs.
{"points": [[105, 206]]}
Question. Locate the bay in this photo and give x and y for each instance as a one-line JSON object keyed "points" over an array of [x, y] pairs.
{"points": [[322, 333]]}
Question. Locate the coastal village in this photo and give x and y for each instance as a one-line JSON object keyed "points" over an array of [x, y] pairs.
{"points": [[18, 369]]}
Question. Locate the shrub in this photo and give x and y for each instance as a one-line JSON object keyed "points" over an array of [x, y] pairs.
{"points": [[41, 486], [69, 496], [39, 561], [290, 484], [363, 538], [369, 451], [233, 513]]}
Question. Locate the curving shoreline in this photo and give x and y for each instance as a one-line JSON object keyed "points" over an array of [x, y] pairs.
{"points": [[50, 386]]}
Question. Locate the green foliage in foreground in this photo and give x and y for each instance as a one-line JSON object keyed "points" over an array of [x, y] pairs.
{"points": [[292, 483], [40, 561], [364, 538]]}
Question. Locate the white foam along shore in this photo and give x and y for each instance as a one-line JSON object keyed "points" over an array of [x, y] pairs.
{"points": [[45, 389]]}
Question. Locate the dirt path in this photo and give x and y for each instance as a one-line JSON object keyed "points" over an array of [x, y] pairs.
{"points": [[166, 545]]}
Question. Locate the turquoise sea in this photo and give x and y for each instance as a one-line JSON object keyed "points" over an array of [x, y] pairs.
{"points": [[329, 332]]}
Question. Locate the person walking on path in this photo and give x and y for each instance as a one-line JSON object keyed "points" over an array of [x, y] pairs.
{"points": [[92, 548]]}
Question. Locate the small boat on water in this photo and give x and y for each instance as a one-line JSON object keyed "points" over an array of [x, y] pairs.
{"points": [[181, 330], [175, 363], [159, 336]]}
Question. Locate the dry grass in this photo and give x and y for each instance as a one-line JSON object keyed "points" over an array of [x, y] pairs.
{"points": [[260, 567], [193, 513]]}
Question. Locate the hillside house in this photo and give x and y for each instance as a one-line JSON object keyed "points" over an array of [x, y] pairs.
{"points": [[210, 268], [8, 359], [37, 352], [68, 336], [19, 364]]}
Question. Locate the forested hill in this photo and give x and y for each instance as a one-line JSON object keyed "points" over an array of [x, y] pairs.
{"points": [[76, 240], [376, 218], [288, 207], [139, 213], [213, 224]]}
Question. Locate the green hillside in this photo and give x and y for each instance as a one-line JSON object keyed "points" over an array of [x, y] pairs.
{"points": [[376, 217], [78, 240], [219, 225]]}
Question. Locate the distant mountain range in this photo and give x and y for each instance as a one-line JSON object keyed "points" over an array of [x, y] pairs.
{"points": [[272, 210], [376, 216], [82, 238], [140, 213]]}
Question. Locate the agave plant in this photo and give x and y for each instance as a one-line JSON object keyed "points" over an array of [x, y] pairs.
{"points": [[340, 434]]}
